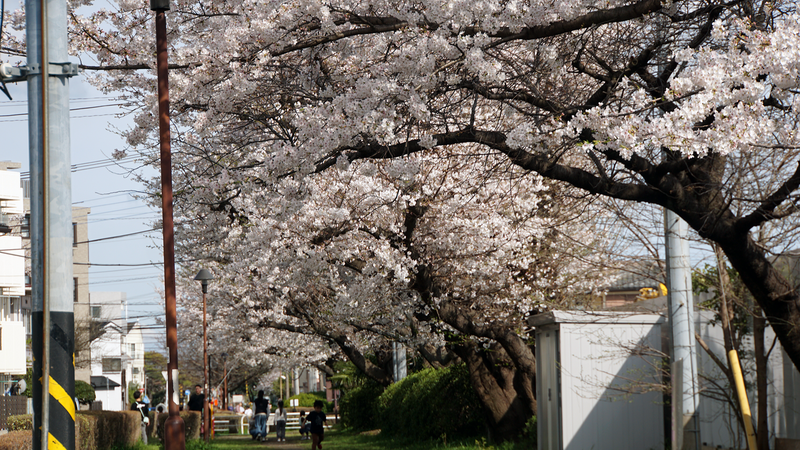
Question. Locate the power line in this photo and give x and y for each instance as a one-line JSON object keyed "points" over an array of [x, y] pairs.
{"points": [[71, 109], [97, 164]]}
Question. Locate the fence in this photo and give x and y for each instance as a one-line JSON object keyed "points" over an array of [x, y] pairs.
{"points": [[234, 423], [12, 405]]}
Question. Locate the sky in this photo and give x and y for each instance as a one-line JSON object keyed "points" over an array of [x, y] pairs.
{"points": [[118, 264]]}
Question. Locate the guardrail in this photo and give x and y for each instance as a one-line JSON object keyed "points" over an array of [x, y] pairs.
{"points": [[238, 422]]}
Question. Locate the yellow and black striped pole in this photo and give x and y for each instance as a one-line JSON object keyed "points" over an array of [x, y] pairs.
{"points": [[59, 429], [51, 225]]}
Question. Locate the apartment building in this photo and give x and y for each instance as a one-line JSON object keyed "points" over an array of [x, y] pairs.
{"points": [[12, 277]]}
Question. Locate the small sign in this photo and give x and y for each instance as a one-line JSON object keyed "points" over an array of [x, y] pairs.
{"points": [[294, 402]]}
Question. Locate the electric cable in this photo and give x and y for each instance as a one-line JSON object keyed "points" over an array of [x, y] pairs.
{"points": [[71, 109]]}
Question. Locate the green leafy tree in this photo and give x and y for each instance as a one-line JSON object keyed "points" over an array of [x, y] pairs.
{"points": [[154, 364], [84, 392]]}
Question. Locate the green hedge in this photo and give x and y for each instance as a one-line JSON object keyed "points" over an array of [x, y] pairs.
{"points": [[306, 400], [432, 402], [358, 406], [20, 422], [94, 430], [106, 429], [191, 423]]}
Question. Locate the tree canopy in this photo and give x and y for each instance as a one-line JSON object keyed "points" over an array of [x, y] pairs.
{"points": [[367, 172]]}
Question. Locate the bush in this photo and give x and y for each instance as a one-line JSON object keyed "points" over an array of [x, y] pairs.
{"points": [[358, 406], [94, 430], [20, 422], [529, 435], [85, 392], [191, 422], [16, 440], [306, 400], [106, 429], [432, 402]]}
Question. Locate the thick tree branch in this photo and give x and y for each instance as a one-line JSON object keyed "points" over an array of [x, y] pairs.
{"points": [[766, 210]]}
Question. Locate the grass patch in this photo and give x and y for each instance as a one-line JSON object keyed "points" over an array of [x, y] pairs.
{"points": [[338, 439]]}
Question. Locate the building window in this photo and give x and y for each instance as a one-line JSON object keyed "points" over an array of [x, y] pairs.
{"points": [[75, 290], [74, 234], [25, 226], [96, 312], [112, 365]]}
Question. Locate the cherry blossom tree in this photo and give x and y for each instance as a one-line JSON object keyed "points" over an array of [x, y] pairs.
{"points": [[640, 101], [283, 108], [445, 254]]}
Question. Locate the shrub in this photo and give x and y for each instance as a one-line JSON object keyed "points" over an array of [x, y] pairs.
{"points": [[16, 440], [20, 422], [529, 435], [432, 402], [358, 406], [94, 430], [85, 392], [106, 429], [191, 422], [306, 400]]}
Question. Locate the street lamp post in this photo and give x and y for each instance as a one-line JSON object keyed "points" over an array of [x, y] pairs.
{"points": [[203, 276], [224, 381], [174, 427]]}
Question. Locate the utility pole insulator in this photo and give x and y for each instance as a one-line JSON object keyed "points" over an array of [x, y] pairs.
{"points": [[15, 74]]}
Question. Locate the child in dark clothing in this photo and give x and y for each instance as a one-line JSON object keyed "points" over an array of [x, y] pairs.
{"points": [[304, 426], [317, 420]]}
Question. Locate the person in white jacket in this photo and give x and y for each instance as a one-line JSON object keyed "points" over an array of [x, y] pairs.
{"points": [[280, 421]]}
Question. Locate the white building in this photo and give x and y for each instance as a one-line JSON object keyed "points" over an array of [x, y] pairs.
{"points": [[80, 274], [12, 277], [307, 380], [117, 350]]}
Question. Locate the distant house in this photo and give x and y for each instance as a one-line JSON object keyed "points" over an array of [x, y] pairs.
{"points": [[637, 282], [117, 349], [12, 277]]}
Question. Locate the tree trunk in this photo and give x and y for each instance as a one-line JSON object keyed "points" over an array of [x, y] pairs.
{"points": [[776, 297], [762, 429], [495, 380]]}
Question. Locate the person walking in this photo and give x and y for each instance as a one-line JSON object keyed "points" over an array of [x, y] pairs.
{"points": [[280, 422], [259, 431], [317, 420], [139, 405]]}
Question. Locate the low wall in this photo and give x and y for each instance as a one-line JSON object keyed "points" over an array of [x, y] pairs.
{"points": [[12, 405]]}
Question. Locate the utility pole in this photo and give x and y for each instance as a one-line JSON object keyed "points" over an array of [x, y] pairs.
{"points": [[686, 422], [48, 72], [174, 433]]}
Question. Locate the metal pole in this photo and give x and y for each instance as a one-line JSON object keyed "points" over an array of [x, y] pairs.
{"points": [[206, 411], [744, 404], [51, 223], [681, 315], [174, 426], [225, 384]]}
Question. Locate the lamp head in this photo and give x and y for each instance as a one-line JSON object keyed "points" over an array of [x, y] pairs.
{"points": [[203, 276]]}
